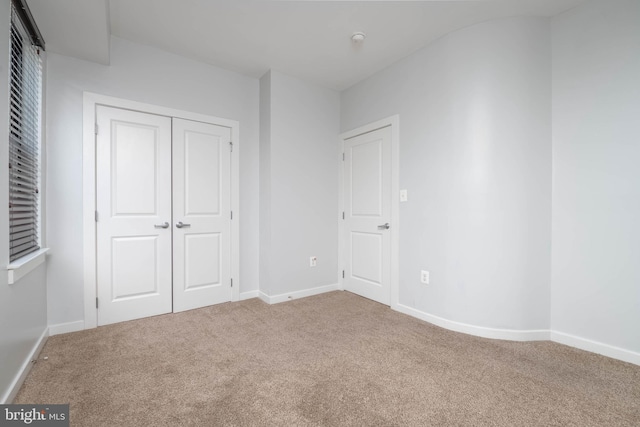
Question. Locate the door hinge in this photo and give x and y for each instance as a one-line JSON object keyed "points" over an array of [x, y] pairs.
{"points": [[232, 283], [343, 157], [96, 216], [343, 274], [96, 129], [342, 215], [231, 214], [231, 146], [96, 302]]}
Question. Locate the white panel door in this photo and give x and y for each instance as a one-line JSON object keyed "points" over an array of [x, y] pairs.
{"points": [[133, 168], [201, 214], [367, 189]]}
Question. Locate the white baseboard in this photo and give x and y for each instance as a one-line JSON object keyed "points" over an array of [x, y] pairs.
{"points": [[63, 328], [264, 297], [596, 347], [525, 335], [24, 369], [249, 295], [275, 299], [480, 331]]}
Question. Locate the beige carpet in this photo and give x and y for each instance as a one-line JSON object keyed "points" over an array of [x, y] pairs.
{"points": [[333, 359]]}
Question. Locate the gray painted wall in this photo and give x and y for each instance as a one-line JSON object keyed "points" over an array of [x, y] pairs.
{"points": [[152, 76], [475, 157], [265, 184], [595, 291], [300, 204], [23, 305]]}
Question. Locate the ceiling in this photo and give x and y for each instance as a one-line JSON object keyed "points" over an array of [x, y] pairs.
{"points": [[306, 39]]}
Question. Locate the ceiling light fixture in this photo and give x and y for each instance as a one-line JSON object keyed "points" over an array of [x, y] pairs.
{"points": [[358, 37]]}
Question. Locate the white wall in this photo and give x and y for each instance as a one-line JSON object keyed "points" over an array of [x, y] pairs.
{"points": [[475, 156], [152, 76], [596, 174], [265, 183], [23, 305], [302, 193]]}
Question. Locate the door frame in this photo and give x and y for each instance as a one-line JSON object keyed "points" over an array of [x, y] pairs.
{"points": [[89, 229], [394, 123]]}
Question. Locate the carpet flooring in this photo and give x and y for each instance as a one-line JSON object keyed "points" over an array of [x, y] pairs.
{"points": [[334, 359]]}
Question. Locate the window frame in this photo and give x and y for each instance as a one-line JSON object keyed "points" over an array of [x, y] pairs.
{"points": [[23, 32]]}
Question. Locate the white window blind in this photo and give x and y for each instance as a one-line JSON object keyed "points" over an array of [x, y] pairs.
{"points": [[25, 95]]}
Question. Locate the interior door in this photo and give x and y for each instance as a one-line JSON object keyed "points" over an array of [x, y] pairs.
{"points": [[201, 214], [367, 190], [133, 156]]}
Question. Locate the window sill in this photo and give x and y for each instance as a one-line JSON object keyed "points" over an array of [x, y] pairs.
{"points": [[20, 268]]}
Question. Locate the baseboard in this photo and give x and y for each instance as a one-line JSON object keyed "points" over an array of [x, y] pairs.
{"points": [[24, 370], [275, 299], [596, 347], [264, 297], [249, 295], [64, 328], [480, 331]]}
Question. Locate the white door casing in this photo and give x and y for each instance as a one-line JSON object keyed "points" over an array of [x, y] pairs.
{"points": [[201, 214], [133, 164], [367, 214]]}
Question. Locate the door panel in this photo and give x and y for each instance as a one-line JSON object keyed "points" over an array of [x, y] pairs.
{"points": [[202, 169], [134, 265], [366, 174], [366, 257], [133, 167], [202, 259], [367, 183], [202, 199]]}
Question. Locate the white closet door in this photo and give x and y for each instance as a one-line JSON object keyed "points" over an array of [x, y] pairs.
{"points": [[201, 214], [367, 189], [133, 154]]}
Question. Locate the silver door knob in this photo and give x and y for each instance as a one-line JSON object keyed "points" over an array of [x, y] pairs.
{"points": [[165, 225], [384, 226], [181, 225]]}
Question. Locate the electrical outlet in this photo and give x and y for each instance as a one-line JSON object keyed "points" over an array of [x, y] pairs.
{"points": [[313, 261], [404, 196], [424, 277]]}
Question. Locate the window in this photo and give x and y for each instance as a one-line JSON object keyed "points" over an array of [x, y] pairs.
{"points": [[25, 94]]}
